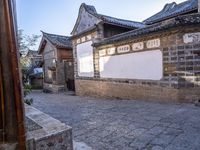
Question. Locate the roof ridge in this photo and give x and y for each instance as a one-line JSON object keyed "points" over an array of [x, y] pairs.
{"points": [[101, 16], [55, 34], [173, 22], [122, 19], [58, 40], [175, 9]]}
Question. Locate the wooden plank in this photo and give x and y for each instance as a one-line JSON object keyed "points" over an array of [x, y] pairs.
{"points": [[2, 125]]}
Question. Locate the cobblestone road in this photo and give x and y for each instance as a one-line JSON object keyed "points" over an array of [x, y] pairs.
{"points": [[125, 124]]}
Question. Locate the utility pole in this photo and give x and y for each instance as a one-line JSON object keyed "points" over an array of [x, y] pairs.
{"points": [[12, 128]]}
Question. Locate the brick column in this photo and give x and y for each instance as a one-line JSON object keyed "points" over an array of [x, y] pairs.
{"points": [[96, 63]]}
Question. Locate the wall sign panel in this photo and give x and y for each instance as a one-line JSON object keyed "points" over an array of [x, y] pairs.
{"points": [[153, 43], [89, 37], [140, 65], [111, 51], [138, 46], [102, 52], [191, 37], [83, 39], [85, 59], [78, 41], [123, 49]]}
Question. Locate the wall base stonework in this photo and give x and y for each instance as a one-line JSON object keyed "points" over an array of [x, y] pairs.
{"points": [[46, 133], [53, 88], [134, 91], [189, 94]]}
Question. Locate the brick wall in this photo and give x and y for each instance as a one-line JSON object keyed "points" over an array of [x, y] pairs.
{"points": [[181, 71]]}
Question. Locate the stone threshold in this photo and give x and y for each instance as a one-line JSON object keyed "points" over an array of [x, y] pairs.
{"points": [[45, 132]]}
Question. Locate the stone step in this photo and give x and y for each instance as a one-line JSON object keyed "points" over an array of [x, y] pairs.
{"points": [[81, 146]]}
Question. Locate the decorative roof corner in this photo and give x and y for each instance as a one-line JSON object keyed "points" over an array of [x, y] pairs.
{"points": [[172, 10], [106, 19]]}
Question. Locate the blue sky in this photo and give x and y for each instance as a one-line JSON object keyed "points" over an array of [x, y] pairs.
{"points": [[59, 16]]}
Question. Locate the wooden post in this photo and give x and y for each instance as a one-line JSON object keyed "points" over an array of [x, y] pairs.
{"points": [[2, 115], [198, 6], [12, 107]]}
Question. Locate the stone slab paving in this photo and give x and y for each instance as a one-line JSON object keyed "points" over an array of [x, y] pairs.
{"points": [[124, 124]]}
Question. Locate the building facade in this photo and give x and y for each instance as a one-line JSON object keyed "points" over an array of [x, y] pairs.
{"points": [[57, 63], [34, 58], [33, 73], [158, 59]]}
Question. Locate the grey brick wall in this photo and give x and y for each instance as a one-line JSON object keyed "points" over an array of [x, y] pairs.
{"points": [[181, 71]]}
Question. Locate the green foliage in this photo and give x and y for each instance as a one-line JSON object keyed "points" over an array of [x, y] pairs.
{"points": [[27, 90], [26, 42], [28, 101]]}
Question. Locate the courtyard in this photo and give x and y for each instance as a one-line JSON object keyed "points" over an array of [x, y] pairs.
{"points": [[105, 124]]}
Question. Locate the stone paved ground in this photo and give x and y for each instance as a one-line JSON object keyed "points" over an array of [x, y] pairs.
{"points": [[125, 124]]}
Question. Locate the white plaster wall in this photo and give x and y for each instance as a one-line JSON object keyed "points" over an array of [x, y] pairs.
{"points": [[141, 65], [85, 59]]}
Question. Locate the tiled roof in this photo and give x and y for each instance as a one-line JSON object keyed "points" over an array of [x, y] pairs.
{"points": [[31, 52], [122, 22], [172, 10], [192, 19], [115, 21], [58, 40]]}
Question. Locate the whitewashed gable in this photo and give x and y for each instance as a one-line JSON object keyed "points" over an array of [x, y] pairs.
{"points": [[85, 21]]}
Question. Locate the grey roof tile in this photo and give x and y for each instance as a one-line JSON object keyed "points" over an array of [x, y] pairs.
{"points": [[116, 21], [173, 9], [192, 19], [58, 40]]}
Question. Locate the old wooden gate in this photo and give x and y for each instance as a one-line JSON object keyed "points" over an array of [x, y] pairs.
{"points": [[69, 75]]}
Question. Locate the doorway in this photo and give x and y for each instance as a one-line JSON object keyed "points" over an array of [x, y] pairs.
{"points": [[69, 75]]}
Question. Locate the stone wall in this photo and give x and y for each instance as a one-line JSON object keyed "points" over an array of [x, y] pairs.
{"points": [[53, 88], [60, 74], [181, 69], [45, 132], [124, 90], [49, 58]]}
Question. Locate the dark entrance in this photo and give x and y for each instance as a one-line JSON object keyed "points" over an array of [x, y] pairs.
{"points": [[69, 75]]}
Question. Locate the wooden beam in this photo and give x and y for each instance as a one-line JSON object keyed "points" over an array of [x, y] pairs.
{"points": [[2, 115], [199, 6], [11, 80]]}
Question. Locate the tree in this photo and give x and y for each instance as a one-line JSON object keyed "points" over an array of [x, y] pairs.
{"points": [[26, 43]]}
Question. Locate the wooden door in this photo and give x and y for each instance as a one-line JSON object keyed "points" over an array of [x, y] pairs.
{"points": [[69, 75]]}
